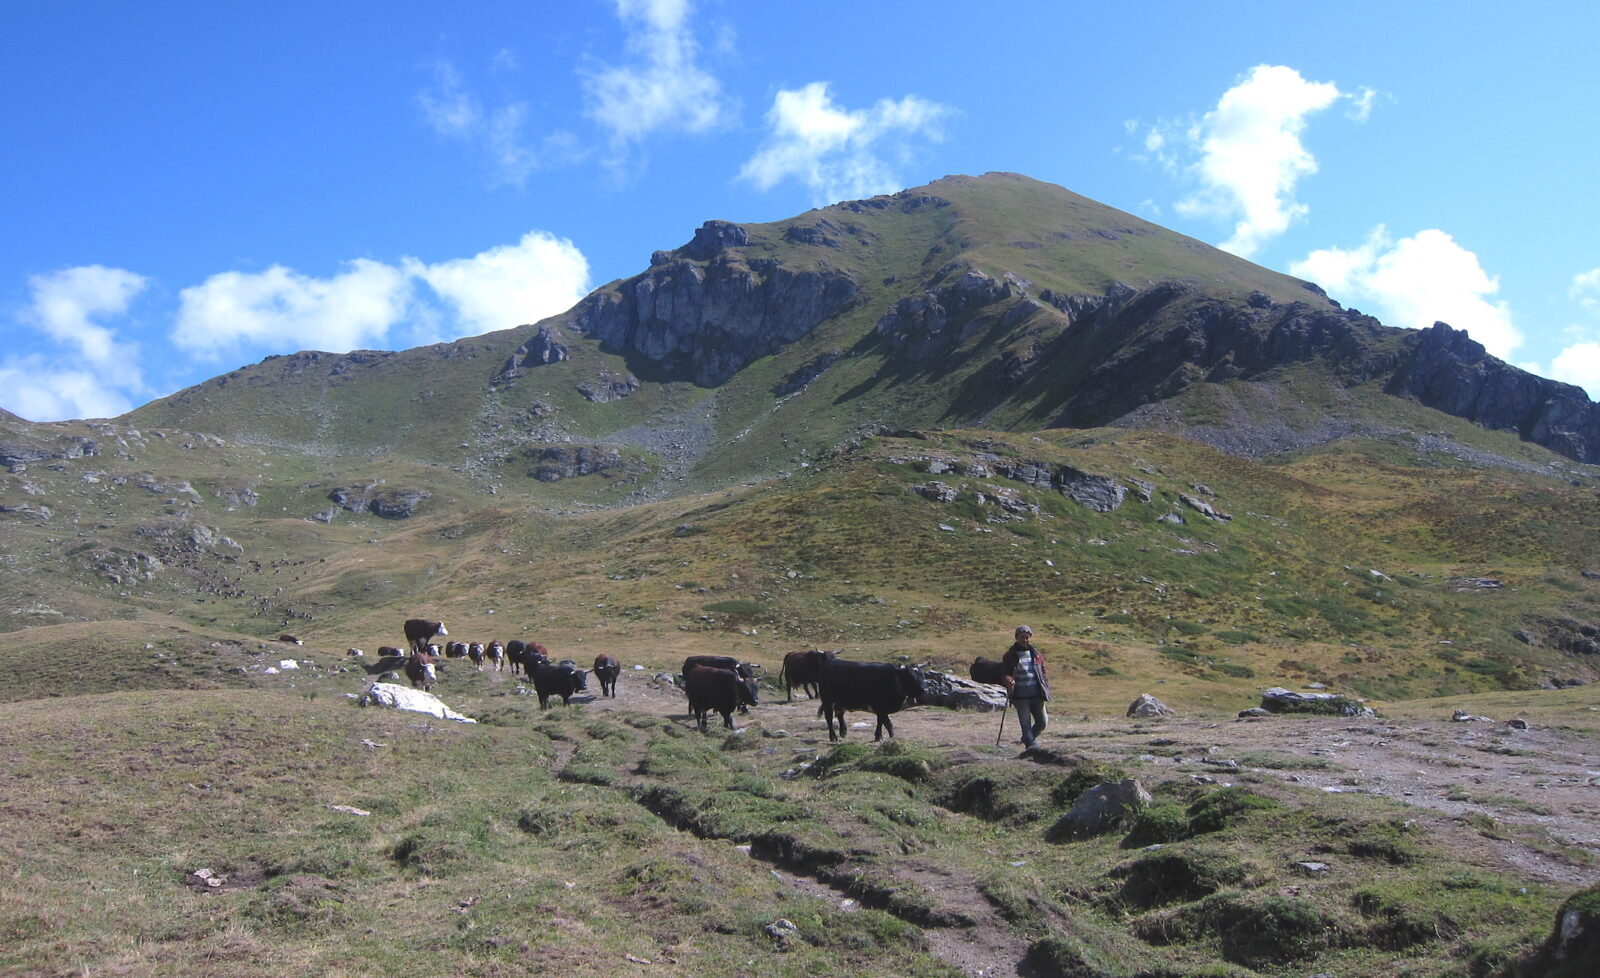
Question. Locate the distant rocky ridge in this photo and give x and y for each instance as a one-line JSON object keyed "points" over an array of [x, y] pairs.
{"points": [[707, 311]]}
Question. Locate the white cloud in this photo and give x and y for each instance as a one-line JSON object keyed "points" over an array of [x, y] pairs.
{"points": [[1579, 364], [663, 87], [448, 107], [93, 373], [40, 389], [837, 152], [509, 285], [1251, 157], [373, 304], [282, 309], [499, 134], [67, 303], [1585, 290], [1415, 282]]}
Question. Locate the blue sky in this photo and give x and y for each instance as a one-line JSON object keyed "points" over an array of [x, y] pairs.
{"points": [[188, 187]]}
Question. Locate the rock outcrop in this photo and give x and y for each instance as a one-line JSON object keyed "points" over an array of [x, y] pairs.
{"points": [[707, 310], [1448, 370], [375, 498], [1100, 493], [552, 463], [544, 347]]}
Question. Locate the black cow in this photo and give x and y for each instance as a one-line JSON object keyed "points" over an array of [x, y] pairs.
{"points": [[744, 670], [420, 631], [526, 655], [607, 669], [385, 651], [802, 669], [986, 671], [722, 690], [558, 680], [877, 687]]}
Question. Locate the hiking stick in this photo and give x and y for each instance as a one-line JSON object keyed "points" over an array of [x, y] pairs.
{"points": [[1002, 731]]}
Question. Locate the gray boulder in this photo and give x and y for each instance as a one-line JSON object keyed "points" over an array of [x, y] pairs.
{"points": [[941, 689], [1100, 809], [1148, 706], [1280, 700]]}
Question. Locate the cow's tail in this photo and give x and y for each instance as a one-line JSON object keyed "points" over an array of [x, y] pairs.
{"points": [[783, 677]]}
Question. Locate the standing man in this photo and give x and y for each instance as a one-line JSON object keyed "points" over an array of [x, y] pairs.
{"points": [[1022, 671]]}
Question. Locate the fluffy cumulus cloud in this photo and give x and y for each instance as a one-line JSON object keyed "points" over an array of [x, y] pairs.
{"points": [[662, 86], [841, 153], [282, 309], [509, 285], [44, 389], [1579, 364], [1251, 156], [1415, 282], [68, 304], [89, 371], [374, 304]]}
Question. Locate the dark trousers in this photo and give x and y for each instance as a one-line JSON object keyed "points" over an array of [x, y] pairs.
{"points": [[1030, 715]]}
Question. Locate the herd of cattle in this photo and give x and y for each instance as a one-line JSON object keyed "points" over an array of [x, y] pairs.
{"points": [[713, 683]]}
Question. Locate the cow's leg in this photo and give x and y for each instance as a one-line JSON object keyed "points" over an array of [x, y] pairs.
{"points": [[727, 719], [884, 723]]}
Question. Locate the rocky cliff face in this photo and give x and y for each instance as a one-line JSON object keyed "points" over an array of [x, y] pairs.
{"points": [[1102, 356], [708, 311], [1446, 369]]}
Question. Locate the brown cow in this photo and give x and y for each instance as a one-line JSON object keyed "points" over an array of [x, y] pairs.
{"points": [[803, 669]]}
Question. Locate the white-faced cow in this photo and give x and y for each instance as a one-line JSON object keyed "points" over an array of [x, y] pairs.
{"points": [[719, 690], [420, 631], [877, 687], [421, 671], [560, 680], [475, 654], [495, 655], [607, 669], [802, 669]]}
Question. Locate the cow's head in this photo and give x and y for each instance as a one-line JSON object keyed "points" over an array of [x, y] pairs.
{"points": [[747, 692], [909, 683], [441, 630]]}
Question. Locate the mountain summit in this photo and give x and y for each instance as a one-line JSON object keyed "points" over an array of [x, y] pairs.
{"points": [[995, 301]]}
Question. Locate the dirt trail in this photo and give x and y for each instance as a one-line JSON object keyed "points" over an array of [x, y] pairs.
{"points": [[1539, 786]]}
